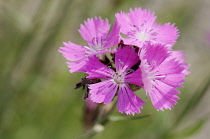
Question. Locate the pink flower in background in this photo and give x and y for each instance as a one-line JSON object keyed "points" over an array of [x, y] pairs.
{"points": [[161, 73], [139, 26], [117, 81], [96, 33]]}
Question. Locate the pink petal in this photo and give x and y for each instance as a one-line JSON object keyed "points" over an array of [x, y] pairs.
{"points": [[174, 80], [114, 37], [124, 22], [98, 52], [155, 54], [103, 92], [132, 41], [166, 34], [103, 73], [72, 52], [170, 67], [125, 58], [135, 21], [163, 96], [134, 78], [142, 18], [96, 69], [94, 28], [180, 57], [78, 66], [128, 102]]}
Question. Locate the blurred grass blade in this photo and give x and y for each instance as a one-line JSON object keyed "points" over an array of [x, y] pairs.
{"points": [[122, 118], [189, 131], [194, 101]]}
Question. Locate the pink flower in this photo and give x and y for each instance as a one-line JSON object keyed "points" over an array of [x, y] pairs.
{"points": [[144, 59], [161, 73], [117, 81], [140, 27], [96, 33]]}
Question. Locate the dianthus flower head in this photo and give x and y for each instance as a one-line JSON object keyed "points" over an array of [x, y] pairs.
{"points": [[161, 74], [144, 59], [117, 82], [95, 32], [139, 26]]}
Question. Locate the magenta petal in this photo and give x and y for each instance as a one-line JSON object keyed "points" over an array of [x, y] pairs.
{"points": [[88, 64], [174, 80], [180, 57], [125, 58], [103, 92], [128, 102], [163, 96], [134, 78], [166, 34], [133, 41], [72, 52], [155, 54], [78, 66], [103, 73], [138, 19], [170, 67], [125, 23], [114, 36], [142, 18], [96, 69], [94, 28]]}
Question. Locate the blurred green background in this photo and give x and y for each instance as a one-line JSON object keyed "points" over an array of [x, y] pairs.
{"points": [[37, 96]]}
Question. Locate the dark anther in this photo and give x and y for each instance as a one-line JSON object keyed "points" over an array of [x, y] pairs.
{"points": [[86, 81], [136, 66], [84, 84], [86, 93], [106, 61], [136, 49], [121, 44]]}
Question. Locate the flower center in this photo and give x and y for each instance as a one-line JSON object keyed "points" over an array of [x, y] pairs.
{"points": [[142, 36], [94, 49], [118, 77], [95, 46]]}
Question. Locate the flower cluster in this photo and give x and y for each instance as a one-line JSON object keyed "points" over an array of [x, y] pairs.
{"points": [[143, 58]]}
